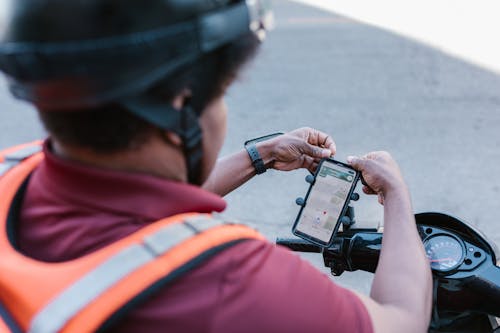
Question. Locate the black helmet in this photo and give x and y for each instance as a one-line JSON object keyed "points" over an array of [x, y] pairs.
{"points": [[60, 54], [104, 50]]}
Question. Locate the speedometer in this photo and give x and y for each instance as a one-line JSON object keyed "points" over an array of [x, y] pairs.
{"points": [[444, 252]]}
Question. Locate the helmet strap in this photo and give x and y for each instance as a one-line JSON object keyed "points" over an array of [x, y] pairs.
{"points": [[191, 136], [183, 122]]}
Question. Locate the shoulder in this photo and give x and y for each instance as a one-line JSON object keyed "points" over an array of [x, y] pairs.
{"points": [[268, 288], [253, 286]]}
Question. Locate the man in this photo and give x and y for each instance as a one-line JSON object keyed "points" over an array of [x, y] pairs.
{"points": [[131, 93]]}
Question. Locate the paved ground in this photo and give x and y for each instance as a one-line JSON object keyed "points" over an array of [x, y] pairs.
{"points": [[371, 90], [460, 27]]}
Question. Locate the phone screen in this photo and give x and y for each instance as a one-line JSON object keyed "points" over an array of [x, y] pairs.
{"points": [[326, 201]]}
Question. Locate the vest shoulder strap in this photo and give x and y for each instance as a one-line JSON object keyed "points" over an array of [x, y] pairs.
{"points": [[11, 157], [103, 295]]}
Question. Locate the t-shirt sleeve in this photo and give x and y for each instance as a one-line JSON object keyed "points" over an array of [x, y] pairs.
{"points": [[270, 289]]}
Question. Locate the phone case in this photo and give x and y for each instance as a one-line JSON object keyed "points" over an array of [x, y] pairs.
{"points": [[344, 208]]}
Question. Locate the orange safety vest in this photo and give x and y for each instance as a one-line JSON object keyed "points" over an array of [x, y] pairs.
{"points": [[89, 293]]}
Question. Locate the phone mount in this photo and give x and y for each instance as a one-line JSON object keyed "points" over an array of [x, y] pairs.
{"points": [[348, 219]]}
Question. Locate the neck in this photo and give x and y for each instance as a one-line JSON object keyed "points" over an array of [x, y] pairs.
{"points": [[156, 158]]}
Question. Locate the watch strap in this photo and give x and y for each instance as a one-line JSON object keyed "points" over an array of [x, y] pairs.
{"points": [[257, 161], [251, 148]]}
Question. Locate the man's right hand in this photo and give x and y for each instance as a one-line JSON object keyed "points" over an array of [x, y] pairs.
{"points": [[401, 295], [380, 173]]}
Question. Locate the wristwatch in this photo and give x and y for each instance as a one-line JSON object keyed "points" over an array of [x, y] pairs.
{"points": [[251, 147]]}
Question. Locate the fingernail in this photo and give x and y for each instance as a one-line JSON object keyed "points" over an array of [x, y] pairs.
{"points": [[350, 159], [327, 153]]}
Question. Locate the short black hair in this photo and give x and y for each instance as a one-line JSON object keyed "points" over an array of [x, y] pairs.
{"points": [[111, 128]]}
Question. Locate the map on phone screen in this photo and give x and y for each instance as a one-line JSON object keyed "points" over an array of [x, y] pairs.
{"points": [[326, 201]]}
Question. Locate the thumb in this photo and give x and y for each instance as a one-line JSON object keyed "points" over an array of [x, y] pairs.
{"points": [[356, 162], [314, 151]]}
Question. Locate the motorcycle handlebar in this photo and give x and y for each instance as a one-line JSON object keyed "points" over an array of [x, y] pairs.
{"points": [[473, 291], [298, 245], [355, 250]]}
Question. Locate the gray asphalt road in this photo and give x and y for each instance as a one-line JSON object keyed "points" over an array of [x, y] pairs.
{"points": [[370, 90]]}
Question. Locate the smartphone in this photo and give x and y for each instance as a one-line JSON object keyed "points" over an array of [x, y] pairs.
{"points": [[326, 202]]}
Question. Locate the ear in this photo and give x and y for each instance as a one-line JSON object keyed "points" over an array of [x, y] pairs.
{"points": [[172, 138], [181, 99]]}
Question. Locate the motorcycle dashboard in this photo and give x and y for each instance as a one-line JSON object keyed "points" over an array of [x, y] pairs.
{"points": [[449, 253], [461, 230], [444, 252]]}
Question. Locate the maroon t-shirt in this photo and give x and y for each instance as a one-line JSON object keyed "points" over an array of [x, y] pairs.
{"points": [[70, 210]]}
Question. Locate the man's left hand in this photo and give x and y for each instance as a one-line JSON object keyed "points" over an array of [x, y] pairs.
{"points": [[301, 148]]}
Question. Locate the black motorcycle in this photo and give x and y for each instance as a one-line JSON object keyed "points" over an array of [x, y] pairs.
{"points": [[466, 291]]}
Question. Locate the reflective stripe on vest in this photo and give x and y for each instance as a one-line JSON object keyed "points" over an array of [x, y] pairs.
{"points": [[13, 158], [71, 301], [83, 294]]}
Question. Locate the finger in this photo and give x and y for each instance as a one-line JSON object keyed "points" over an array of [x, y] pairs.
{"points": [[314, 166], [381, 199], [356, 162], [324, 140], [363, 181], [371, 155], [376, 155], [307, 162], [317, 159], [316, 138], [368, 190], [330, 144], [313, 151]]}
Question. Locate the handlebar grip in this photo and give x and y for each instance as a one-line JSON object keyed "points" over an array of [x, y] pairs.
{"points": [[299, 245]]}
